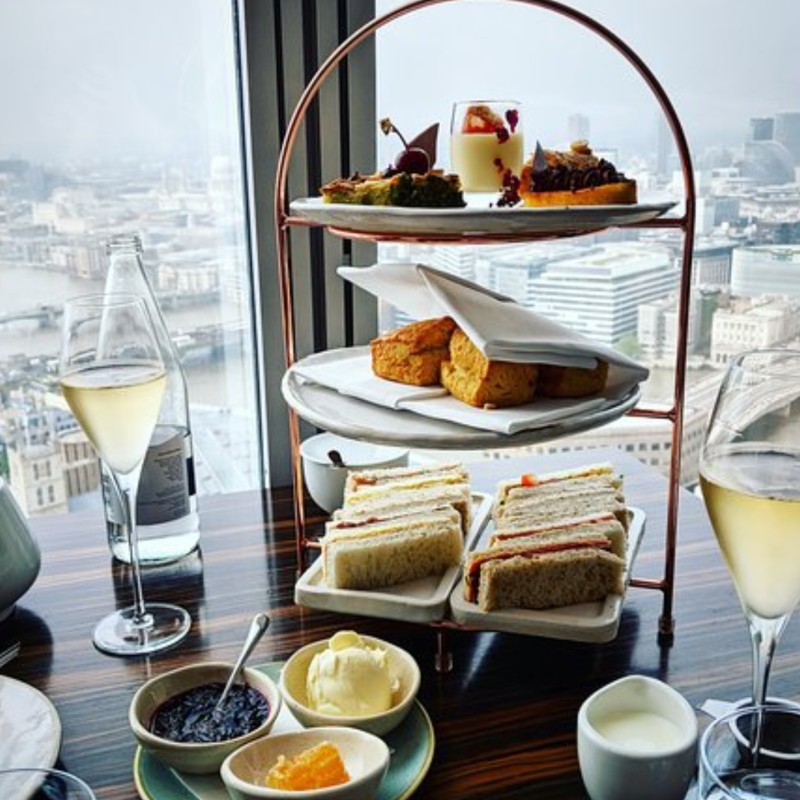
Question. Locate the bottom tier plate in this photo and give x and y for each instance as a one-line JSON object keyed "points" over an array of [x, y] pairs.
{"points": [[411, 744], [424, 600], [588, 622]]}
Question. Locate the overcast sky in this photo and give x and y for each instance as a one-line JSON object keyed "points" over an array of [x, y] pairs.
{"points": [[110, 77], [721, 62]]}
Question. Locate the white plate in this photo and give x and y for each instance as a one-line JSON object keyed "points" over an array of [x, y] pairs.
{"points": [[587, 622], [474, 219], [30, 731], [357, 419], [424, 600]]}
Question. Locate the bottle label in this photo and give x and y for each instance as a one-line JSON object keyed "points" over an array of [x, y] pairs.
{"points": [[164, 488]]}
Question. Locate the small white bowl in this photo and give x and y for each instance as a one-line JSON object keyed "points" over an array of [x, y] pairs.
{"points": [[637, 732], [325, 482], [365, 757], [401, 665], [198, 758]]}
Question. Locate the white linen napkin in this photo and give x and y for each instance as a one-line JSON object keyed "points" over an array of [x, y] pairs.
{"points": [[349, 373], [501, 328]]}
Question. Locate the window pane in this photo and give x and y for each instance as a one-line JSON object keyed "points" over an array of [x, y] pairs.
{"points": [[743, 126], [123, 117]]}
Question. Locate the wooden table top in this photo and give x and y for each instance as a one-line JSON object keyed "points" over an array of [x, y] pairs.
{"points": [[504, 717]]}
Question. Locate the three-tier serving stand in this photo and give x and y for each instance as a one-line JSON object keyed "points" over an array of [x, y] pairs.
{"points": [[684, 222]]}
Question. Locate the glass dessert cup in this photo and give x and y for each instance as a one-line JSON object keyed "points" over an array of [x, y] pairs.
{"points": [[486, 142]]}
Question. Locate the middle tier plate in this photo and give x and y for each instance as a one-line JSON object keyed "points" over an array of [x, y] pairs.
{"points": [[357, 419]]}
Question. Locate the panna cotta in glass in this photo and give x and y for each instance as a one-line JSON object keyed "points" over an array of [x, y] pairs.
{"points": [[485, 142]]}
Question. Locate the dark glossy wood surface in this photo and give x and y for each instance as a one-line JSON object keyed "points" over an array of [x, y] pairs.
{"points": [[504, 717]]}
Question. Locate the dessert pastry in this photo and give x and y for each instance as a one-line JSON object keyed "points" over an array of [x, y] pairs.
{"points": [[485, 143], [410, 181], [472, 378], [434, 189], [576, 177], [413, 354], [565, 382]]}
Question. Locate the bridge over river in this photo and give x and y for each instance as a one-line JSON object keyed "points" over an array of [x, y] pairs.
{"points": [[47, 316]]}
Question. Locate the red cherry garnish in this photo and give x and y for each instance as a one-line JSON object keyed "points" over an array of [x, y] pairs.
{"points": [[414, 161]]}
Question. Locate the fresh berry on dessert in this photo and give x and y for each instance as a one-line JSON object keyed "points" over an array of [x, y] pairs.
{"points": [[413, 160], [481, 118]]}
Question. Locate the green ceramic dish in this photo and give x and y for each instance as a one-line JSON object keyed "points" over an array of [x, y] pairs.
{"points": [[412, 745]]}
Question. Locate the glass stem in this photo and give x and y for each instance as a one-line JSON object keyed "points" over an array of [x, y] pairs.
{"points": [[764, 634], [126, 489]]}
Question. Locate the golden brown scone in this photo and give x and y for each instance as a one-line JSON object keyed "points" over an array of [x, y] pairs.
{"points": [[575, 177], [571, 381], [469, 376], [413, 354]]}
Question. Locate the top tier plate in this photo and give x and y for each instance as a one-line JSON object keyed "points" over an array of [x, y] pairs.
{"points": [[473, 221]]}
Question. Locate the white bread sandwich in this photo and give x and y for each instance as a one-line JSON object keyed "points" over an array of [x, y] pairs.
{"points": [[606, 525], [565, 498], [376, 481], [552, 510], [361, 506], [383, 552], [543, 572], [532, 479]]}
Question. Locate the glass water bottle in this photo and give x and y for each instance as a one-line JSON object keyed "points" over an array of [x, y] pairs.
{"points": [[166, 509]]}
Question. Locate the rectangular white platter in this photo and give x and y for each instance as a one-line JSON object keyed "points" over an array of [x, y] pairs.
{"points": [[424, 600], [588, 622]]}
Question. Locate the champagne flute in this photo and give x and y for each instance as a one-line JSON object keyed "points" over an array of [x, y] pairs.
{"points": [[112, 377], [750, 477]]}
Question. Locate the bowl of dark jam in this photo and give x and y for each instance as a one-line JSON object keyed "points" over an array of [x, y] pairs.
{"points": [[173, 715]]}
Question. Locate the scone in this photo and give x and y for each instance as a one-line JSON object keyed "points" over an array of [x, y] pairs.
{"points": [[556, 381], [472, 378], [413, 354], [575, 177]]}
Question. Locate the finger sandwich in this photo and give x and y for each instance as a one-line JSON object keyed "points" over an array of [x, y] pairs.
{"points": [[600, 525], [364, 505], [379, 552], [543, 572], [533, 480]]}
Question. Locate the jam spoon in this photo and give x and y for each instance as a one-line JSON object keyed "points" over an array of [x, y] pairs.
{"points": [[258, 628]]}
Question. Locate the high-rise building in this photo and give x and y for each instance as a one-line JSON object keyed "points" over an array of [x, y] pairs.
{"points": [[664, 147], [787, 132], [658, 327], [766, 270], [599, 293], [579, 127], [762, 129]]}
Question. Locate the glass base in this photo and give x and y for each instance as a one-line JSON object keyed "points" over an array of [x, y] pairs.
{"points": [[760, 784], [166, 626]]}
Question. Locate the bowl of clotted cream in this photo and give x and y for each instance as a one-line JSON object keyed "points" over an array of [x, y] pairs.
{"points": [[350, 680]]}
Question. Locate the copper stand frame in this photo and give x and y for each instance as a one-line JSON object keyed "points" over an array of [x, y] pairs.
{"points": [[685, 223]]}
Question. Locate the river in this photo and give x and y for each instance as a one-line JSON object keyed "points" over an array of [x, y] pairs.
{"points": [[216, 383]]}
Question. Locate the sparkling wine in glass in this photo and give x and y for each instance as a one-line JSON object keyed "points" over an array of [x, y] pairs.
{"points": [[750, 477], [112, 377]]}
